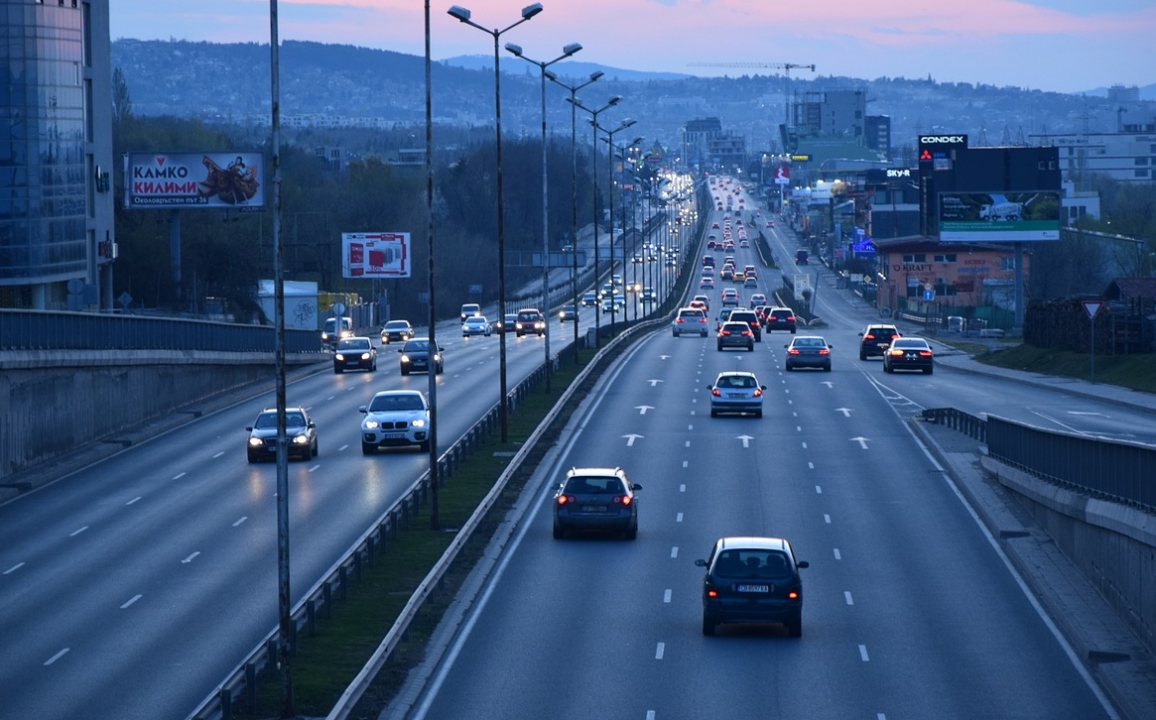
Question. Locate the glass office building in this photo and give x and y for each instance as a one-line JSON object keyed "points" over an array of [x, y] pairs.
{"points": [[55, 204]]}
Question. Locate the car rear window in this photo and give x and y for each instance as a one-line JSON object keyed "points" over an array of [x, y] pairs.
{"points": [[752, 563], [690, 313], [594, 486]]}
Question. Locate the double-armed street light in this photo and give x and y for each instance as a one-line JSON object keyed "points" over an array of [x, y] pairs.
{"points": [[597, 217], [574, 189], [566, 52], [463, 15], [610, 133]]}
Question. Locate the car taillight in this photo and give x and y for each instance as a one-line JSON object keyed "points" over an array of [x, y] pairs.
{"points": [[715, 392], [712, 593], [680, 320], [758, 392], [563, 499], [896, 352], [702, 320], [793, 351], [622, 499], [747, 332], [868, 337], [925, 353], [726, 332], [824, 351], [790, 318], [793, 595]]}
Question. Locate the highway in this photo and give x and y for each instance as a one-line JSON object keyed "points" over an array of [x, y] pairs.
{"points": [[133, 587], [910, 609]]}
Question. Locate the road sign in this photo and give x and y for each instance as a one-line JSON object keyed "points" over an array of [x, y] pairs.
{"points": [[1092, 307]]}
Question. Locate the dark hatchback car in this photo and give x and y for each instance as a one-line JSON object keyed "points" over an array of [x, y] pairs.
{"points": [[780, 318], [752, 580], [355, 353], [600, 499], [299, 429], [415, 357], [875, 339], [808, 351], [751, 319], [735, 334], [909, 353]]}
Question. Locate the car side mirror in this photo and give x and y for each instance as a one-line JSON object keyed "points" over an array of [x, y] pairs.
{"points": [[829, 346], [441, 349], [710, 387], [762, 387], [635, 486], [700, 563], [248, 429], [399, 349], [860, 334], [802, 564], [312, 424], [786, 345], [363, 409]]}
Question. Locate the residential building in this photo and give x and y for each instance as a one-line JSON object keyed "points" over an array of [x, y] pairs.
{"points": [[57, 239]]}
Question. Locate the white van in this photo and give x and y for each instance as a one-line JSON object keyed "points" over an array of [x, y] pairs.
{"points": [[470, 310]]}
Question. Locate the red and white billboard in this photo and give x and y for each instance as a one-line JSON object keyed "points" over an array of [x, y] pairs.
{"points": [[199, 180], [783, 175], [375, 255]]}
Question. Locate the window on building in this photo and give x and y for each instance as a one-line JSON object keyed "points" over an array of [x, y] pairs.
{"points": [[948, 258], [1141, 173], [1007, 264], [1141, 161], [915, 258]]}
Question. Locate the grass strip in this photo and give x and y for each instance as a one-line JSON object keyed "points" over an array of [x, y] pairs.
{"points": [[1133, 371], [327, 661]]}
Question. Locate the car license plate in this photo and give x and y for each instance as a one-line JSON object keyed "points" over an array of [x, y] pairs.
{"points": [[735, 395], [752, 588], [594, 508], [394, 436]]}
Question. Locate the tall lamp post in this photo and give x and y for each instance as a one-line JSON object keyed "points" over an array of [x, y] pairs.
{"points": [[463, 15], [574, 188], [610, 200], [594, 171], [566, 52]]}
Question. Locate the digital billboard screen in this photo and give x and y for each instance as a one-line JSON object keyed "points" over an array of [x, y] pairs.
{"points": [[975, 217]]}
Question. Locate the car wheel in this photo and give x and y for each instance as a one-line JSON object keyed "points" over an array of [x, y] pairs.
{"points": [[404, 372], [632, 532], [758, 413], [713, 412], [887, 368], [789, 367], [927, 371], [252, 460], [862, 355], [751, 347], [718, 347], [441, 369], [673, 333], [336, 371], [795, 628], [367, 449], [708, 625], [559, 533], [424, 446], [792, 331], [826, 368]]}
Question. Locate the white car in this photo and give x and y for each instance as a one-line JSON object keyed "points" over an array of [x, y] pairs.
{"points": [[476, 325], [395, 418]]}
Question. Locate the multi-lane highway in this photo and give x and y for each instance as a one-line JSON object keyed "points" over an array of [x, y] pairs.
{"points": [[131, 588]]}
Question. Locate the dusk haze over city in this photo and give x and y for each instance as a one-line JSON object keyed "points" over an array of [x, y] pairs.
{"points": [[1058, 45]]}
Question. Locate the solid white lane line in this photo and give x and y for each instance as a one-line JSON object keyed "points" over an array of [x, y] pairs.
{"points": [[818, 490], [189, 559], [178, 476], [666, 596], [863, 653], [135, 499], [826, 518], [130, 602], [243, 519], [682, 488], [342, 448], [658, 652], [314, 468], [847, 596], [55, 657], [838, 555], [14, 568], [674, 551], [678, 518], [218, 454], [78, 531]]}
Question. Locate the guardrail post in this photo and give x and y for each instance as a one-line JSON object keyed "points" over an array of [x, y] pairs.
{"points": [[327, 598], [250, 686], [357, 567], [311, 617], [225, 699], [343, 582]]}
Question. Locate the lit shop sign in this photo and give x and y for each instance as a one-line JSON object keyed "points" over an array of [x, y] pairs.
{"points": [[941, 140], [893, 174]]}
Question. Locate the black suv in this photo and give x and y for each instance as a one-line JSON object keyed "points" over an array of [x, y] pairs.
{"points": [[780, 318], [752, 580], [875, 339], [750, 318]]}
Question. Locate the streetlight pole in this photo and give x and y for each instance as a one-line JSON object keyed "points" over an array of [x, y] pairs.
{"points": [[594, 171], [566, 52], [574, 189], [463, 15], [610, 162]]}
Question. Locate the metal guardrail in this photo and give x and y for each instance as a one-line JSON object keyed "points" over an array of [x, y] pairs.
{"points": [[1115, 470], [62, 330]]}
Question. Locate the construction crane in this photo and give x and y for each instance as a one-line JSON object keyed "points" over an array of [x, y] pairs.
{"points": [[785, 67]]}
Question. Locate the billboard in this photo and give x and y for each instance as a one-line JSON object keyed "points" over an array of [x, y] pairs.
{"points": [[999, 217], [197, 180], [375, 255]]}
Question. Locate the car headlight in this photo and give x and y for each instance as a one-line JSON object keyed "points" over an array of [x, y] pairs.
{"points": [[256, 442], [365, 356], [418, 423], [405, 358], [437, 358], [300, 439], [371, 424], [339, 356]]}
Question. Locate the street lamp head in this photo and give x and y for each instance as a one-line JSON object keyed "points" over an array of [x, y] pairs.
{"points": [[531, 10], [515, 49], [615, 100], [571, 49], [595, 75], [460, 13], [549, 74]]}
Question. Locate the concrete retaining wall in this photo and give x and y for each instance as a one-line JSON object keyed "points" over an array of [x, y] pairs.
{"points": [[1113, 545], [53, 403]]}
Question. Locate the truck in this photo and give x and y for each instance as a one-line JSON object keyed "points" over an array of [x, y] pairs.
{"points": [[1001, 212]]}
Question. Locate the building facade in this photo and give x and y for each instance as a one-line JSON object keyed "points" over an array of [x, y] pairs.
{"points": [[56, 201], [1127, 156]]}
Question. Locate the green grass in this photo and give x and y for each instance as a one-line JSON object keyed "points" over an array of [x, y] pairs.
{"points": [[327, 661], [1137, 372]]}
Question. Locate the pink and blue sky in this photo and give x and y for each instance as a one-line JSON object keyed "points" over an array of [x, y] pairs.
{"points": [[1060, 45]]}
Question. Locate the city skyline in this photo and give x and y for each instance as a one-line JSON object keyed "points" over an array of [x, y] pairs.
{"points": [[1053, 45]]}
